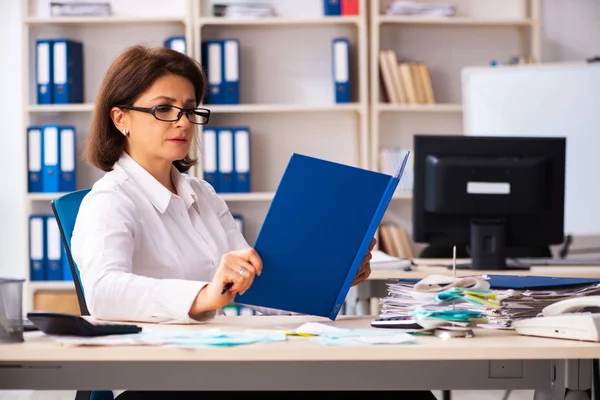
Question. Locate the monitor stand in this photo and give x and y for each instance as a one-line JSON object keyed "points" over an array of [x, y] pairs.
{"points": [[488, 247]]}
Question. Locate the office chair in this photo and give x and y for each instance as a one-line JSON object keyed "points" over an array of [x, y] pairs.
{"points": [[65, 209]]}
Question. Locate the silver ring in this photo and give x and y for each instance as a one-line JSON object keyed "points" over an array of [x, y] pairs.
{"points": [[241, 270]]}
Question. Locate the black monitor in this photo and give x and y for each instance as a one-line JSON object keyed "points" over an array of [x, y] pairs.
{"points": [[488, 193]]}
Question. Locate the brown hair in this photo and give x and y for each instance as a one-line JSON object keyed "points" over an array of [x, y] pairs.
{"points": [[131, 74]]}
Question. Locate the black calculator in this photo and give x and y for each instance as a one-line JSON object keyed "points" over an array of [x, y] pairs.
{"points": [[54, 323], [400, 322]]}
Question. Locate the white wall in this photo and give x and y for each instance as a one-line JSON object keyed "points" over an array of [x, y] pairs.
{"points": [[571, 32], [12, 187]]}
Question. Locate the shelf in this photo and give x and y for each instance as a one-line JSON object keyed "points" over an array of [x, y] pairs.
{"points": [[435, 108], [51, 285], [100, 20], [257, 196], [267, 108], [402, 195], [59, 108], [464, 21], [43, 196], [277, 21]]}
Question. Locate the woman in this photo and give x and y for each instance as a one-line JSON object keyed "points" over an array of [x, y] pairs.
{"points": [[154, 244]]}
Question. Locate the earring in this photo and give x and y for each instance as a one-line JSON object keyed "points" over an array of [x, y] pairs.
{"points": [[125, 132]]}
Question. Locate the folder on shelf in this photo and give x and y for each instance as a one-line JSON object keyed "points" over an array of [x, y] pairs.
{"points": [[212, 60], [341, 69], [210, 157], [34, 159], [225, 159], [349, 7], [50, 165], [239, 220], [67, 159], [37, 251], [241, 159], [316, 233], [53, 250], [176, 43], [68, 71], [332, 7], [43, 71], [231, 71]]}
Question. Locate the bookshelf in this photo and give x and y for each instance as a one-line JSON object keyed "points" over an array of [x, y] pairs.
{"points": [[135, 21], [478, 33]]}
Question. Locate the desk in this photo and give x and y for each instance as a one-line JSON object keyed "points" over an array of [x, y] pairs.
{"points": [[490, 360]]}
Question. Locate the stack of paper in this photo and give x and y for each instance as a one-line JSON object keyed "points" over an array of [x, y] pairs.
{"points": [[417, 8], [250, 10], [382, 260]]}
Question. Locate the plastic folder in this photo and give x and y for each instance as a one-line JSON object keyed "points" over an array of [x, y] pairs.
{"points": [[316, 233]]}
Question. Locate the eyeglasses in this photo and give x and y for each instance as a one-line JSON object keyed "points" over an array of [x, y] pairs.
{"points": [[168, 113]]}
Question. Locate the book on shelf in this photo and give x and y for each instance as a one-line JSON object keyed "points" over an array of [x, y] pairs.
{"points": [[394, 241], [437, 9], [80, 8], [246, 10], [405, 82]]}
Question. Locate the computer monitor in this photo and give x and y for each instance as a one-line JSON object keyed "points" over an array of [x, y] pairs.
{"points": [[488, 193]]}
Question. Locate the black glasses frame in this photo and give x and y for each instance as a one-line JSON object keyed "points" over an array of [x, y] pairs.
{"points": [[203, 112]]}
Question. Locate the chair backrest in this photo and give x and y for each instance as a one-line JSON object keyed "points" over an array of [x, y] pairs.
{"points": [[65, 209]]}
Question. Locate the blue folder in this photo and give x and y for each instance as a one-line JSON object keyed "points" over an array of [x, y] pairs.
{"points": [[68, 71], [316, 233]]}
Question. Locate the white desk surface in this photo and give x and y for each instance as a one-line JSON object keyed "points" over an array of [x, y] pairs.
{"points": [[427, 267], [486, 345]]}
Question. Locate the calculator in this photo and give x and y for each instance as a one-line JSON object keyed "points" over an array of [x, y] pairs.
{"points": [[54, 323], [399, 322]]}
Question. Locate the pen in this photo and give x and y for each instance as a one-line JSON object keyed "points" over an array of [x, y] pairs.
{"points": [[227, 287]]}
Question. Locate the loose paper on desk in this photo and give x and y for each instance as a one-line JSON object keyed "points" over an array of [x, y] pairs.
{"points": [[381, 260], [334, 336]]}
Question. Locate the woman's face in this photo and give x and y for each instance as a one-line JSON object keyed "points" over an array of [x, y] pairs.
{"points": [[159, 141]]}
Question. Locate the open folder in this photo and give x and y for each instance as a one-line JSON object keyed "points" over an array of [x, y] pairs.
{"points": [[316, 233]]}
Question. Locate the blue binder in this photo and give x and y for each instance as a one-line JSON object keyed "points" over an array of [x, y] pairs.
{"points": [[68, 71], [241, 160], [51, 157], [34, 159], [37, 247], [340, 55], [68, 159], [53, 250], [316, 233], [231, 71], [225, 173], [176, 43], [43, 71], [332, 7], [212, 61], [210, 157]]}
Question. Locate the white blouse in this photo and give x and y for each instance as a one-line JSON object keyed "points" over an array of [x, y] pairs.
{"points": [[143, 252]]}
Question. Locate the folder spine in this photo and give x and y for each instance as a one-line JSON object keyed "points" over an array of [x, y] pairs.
{"points": [[44, 71], [176, 43], [362, 251], [341, 69], [34, 159], [332, 7], [68, 71]]}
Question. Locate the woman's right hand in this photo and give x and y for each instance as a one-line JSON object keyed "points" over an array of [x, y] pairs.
{"points": [[238, 268]]}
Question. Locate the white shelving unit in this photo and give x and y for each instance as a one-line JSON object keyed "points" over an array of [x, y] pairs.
{"points": [[480, 31], [135, 21], [288, 102]]}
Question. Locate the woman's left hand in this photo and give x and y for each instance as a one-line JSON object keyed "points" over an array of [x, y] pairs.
{"points": [[365, 267]]}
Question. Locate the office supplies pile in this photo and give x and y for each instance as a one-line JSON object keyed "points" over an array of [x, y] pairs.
{"points": [[488, 301]]}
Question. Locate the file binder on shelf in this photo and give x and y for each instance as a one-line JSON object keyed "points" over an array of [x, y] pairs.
{"points": [[44, 71], [50, 159], [67, 71], [341, 69], [67, 159], [332, 7], [210, 157], [349, 7], [212, 60], [231, 71], [241, 160], [225, 159], [34, 159], [316, 233], [176, 43], [37, 248], [53, 250]]}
